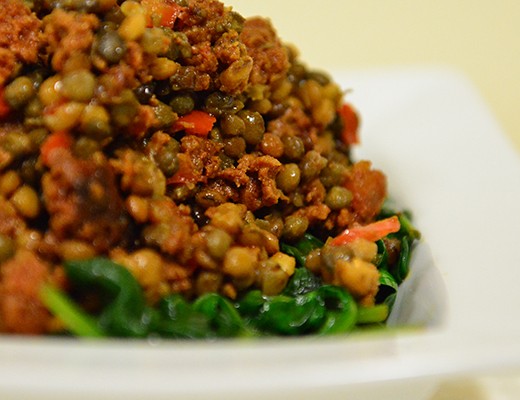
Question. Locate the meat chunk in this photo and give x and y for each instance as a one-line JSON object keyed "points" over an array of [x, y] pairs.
{"points": [[269, 55], [20, 36], [368, 187], [21, 310], [67, 33], [83, 201]]}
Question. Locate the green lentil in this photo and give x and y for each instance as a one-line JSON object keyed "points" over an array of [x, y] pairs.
{"points": [[37, 136], [64, 117], [19, 92], [111, 46], [218, 103], [182, 104], [79, 85], [235, 147], [166, 158], [218, 242], [311, 165], [16, 143], [333, 174], [294, 227], [123, 113], [49, 91], [164, 114], [34, 109], [293, 147], [288, 178], [254, 126], [338, 197], [26, 201], [9, 182], [95, 122], [155, 41], [84, 147], [232, 124]]}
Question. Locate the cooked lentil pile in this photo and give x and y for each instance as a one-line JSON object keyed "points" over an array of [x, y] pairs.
{"points": [[184, 143]]}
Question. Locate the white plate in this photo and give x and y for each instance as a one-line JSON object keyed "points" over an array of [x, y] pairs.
{"points": [[448, 161]]}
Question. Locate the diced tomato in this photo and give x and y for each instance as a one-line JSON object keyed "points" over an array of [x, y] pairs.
{"points": [[195, 123], [371, 232], [166, 12], [56, 140], [350, 119], [4, 107]]}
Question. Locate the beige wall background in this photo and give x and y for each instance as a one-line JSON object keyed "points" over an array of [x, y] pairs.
{"points": [[480, 38]]}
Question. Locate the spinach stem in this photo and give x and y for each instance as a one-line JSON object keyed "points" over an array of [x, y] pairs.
{"points": [[373, 314], [76, 320]]}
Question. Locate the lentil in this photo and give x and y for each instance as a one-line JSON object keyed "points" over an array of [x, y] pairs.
{"points": [[288, 179], [294, 227], [338, 197], [111, 46], [79, 85], [96, 161], [19, 92], [26, 201]]}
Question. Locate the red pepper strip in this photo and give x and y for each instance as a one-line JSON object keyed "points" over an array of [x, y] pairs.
{"points": [[349, 117], [168, 12], [371, 232], [4, 107], [195, 123], [56, 140]]}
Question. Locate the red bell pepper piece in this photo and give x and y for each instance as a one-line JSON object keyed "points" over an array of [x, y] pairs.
{"points": [[166, 11], [195, 123], [56, 140], [350, 119], [371, 232]]}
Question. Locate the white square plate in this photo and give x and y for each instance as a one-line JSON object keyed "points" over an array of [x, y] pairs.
{"points": [[447, 161]]}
